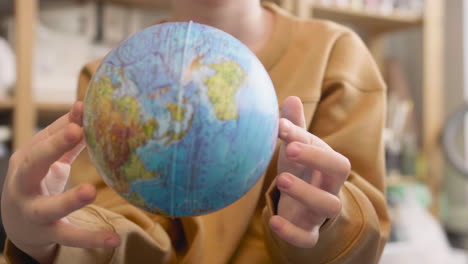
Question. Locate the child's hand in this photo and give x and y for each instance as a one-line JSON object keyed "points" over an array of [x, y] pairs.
{"points": [[311, 174], [34, 204]]}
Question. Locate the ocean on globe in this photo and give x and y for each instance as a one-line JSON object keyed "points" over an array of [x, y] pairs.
{"points": [[181, 119]]}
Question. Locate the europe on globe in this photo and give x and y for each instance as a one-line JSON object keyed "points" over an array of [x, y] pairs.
{"points": [[181, 119]]}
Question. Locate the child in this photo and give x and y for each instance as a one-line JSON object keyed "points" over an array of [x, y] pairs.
{"points": [[309, 207]]}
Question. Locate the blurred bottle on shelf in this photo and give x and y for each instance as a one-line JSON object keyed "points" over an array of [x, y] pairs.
{"points": [[357, 4], [400, 131], [386, 7], [412, 7], [7, 68], [372, 5], [5, 137]]}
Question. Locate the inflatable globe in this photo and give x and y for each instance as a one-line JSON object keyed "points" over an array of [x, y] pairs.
{"points": [[181, 119]]}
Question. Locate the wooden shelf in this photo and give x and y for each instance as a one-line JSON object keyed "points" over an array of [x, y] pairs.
{"points": [[6, 103], [367, 20], [143, 3], [53, 107], [48, 112]]}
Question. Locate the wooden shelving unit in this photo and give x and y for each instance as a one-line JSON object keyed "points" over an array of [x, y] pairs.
{"points": [[376, 26], [24, 114]]}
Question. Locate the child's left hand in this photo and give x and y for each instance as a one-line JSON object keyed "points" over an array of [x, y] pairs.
{"points": [[310, 176]]}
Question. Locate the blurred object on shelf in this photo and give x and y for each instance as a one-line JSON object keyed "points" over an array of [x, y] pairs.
{"points": [[398, 186], [400, 133], [416, 232], [342, 3], [6, 7], [63, 45], [5, 139], [5, 133], [120, 21], [396, 138], [356, 4], [5, 136], [455, 140], [371, 5], [455, 146], [7, 68], [68, 17], [164, 4], [59, 56], [409, 6], [66, 40], [387, 7]]}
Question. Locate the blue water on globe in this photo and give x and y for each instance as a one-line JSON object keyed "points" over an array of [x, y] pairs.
{"points": [[181, 119]]}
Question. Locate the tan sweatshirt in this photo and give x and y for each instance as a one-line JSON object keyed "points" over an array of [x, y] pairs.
{"points": [[331, 70]]}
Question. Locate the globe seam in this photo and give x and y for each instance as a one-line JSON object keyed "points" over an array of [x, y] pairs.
{"points": [[179, 101]]}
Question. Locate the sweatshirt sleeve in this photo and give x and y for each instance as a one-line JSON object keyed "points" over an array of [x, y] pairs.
{"points": [[350, 117]]}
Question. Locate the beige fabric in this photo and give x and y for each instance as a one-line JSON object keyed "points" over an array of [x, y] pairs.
{"points": [[330, 69]]}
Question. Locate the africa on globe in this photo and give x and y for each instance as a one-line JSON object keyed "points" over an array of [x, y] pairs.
{"points": [[181, 119]]}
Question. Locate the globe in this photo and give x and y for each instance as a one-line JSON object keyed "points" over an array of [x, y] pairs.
{"points": [[181, 119]]}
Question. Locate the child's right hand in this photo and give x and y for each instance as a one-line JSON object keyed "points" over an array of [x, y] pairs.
{"points": [[34, 204]]}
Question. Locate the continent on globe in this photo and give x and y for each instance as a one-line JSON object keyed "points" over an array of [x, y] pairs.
{"points": [[181, 119], [222, 88], [119, 120]]}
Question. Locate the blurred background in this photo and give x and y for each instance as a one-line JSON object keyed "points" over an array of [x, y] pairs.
{"points": [[421, 47]]}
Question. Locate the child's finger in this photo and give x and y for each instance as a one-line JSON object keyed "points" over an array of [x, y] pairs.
{"points": [[36, 161], [293, 234], [335, 166], [57, 178], [321, 203], [48, 131], [71, 155], [47, 209], [59, 171], [293, 110], [289, 132], [72, 236], [75, 115]]}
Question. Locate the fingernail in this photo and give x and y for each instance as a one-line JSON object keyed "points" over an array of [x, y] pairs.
{"points": [[75, 112], [85, 194], [79, 114], [284, 181], [276, 224], [72, 113], [112, 242], [285, 127], [72, 136], [293, 150]]}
